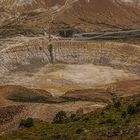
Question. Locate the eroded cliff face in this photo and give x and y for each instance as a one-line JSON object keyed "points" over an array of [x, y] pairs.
{"points": [[34, 54]]}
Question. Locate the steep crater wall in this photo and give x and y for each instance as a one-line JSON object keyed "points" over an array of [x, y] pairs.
{"points": [[31, 56]]}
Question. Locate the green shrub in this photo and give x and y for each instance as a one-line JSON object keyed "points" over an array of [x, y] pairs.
{"points": [[79, 131], [131, 109], [111, 121], [117, 104], [60, 117], [73, 116], [124, 114], [85, 119], [56, 137], [76, 119], [27, 123], [138, 104]]}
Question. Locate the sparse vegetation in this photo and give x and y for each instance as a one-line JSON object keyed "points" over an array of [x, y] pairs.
{"points": [[138, 104], [117, 104], [61, 117], [79, 131], [29, 122], [124, 114], [131, 109], [102, 124]]}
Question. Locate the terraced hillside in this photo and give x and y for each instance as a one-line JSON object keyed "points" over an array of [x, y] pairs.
{"points": [[71, 52]]}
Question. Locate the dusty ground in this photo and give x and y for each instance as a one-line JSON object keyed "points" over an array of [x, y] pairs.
{"points": [[88, 99], [42, 111]]}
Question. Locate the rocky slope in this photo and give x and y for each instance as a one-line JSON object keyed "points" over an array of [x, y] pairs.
{"points": [[39, 52], [12, 114], [33, 16]]}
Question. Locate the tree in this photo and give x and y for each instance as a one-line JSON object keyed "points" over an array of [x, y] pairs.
{"points": [[131, 109], [60, 117], [117, 102], [27, 123]]}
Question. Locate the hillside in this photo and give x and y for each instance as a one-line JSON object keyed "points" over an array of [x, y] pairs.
{"points": [[33, 17], [69, 69], [117, 121], [19, 103]]}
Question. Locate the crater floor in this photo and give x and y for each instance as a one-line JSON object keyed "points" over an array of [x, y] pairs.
{"points": [[60, 78]]}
